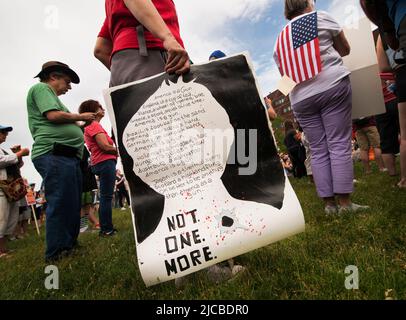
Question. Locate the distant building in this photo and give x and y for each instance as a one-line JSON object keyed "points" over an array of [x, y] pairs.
{"points": [[281, 104]]}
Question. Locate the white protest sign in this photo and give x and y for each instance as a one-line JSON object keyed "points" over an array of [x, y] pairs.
{"points": [[363, 63], [205, 177]]}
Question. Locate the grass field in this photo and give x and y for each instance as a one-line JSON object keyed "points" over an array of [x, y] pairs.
{"points": [[308, 266]]}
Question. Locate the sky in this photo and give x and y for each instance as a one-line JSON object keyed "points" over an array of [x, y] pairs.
{"points": [[37, 31]]}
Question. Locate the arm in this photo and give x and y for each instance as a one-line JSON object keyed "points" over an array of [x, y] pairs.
{"points": [[146, 13], [271, 111], [383, 61], [119, 181], [66, 117], [340, 43], [10, 159], [377, 12], [102, 51], [103, 143]]}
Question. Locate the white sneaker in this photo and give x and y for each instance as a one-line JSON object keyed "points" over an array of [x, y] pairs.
{"points": [[219, 274], [352, 208], [330, 210], [238, 270]]}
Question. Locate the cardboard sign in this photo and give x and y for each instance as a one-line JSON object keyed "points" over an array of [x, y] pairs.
{"points": [[201, 162], [30, 197], [366, 85]]}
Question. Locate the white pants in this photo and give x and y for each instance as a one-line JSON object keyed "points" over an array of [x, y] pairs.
{"points": [[8, 216]]}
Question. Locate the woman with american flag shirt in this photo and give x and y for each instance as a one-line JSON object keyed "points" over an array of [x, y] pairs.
{"points": [[309, 50]]}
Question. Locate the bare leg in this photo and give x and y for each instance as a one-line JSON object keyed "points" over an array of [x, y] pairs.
{"points": [[378, 158], [3, 242], [330, 201], [365, 161], [92, 218], [390, 163], [24, 225], [85, 210], [344, 200]]}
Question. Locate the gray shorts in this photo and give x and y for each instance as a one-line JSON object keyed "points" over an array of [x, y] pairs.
{"points": [[8, 216], [128, 65]]}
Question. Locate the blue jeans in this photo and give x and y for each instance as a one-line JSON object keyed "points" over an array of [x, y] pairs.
{"points": [[62, 180], [106, 171]]}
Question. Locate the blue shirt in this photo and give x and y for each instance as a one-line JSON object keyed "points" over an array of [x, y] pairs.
{"points": [[397, 11]]}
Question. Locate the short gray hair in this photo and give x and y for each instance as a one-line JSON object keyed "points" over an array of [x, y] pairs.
{"points": [[294, 8]]}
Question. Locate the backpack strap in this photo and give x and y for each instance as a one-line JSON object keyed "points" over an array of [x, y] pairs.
{"points": [[141, 41]]}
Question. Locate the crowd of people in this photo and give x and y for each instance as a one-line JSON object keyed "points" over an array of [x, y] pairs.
{"points": [[140, 38]]}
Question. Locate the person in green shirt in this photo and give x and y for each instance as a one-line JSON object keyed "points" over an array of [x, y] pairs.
{"points": [[56, 153]]}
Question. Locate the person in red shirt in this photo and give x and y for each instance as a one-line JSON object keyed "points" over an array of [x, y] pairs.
{"points": [[103, 162], [140, 38]]}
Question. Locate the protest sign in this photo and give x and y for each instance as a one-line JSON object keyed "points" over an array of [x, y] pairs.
{"points": [[363, 63], [30, 197], [205, 178]]}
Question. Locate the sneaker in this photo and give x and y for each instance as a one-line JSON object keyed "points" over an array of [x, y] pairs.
{"points": [[181, 282], [108, 233], [83, 229], [238, 270], [352, 208], [219, 274], [58, 256], [330, 210], [123, 208]]}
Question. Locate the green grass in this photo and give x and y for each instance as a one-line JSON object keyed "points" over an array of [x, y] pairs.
{"points": [[308, 266]]}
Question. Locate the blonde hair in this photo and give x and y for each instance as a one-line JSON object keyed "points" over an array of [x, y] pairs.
{"points": [[294, 8]]}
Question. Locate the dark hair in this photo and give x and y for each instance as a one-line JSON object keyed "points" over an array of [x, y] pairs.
{"points": [[288, 124], [294, 8], [46, 76], [89, 106]]}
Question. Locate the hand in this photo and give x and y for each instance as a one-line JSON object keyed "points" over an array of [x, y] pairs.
{"points": [[87, 116], [16, 148], [100, 114], [23, 152], [268, 101], [178, 58], [298, 136]]}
